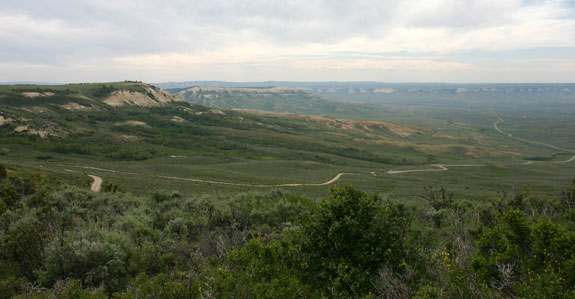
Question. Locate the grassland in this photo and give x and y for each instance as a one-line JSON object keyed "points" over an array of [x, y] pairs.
{"points": [[216, 203], [171, 147]]}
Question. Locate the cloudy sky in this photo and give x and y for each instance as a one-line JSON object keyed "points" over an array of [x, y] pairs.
{"points": [[312, 40]]}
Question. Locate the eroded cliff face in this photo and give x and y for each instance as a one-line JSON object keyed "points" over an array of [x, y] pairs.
{"points": [[149, 98]]}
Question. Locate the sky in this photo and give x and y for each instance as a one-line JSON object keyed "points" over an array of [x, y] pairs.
{"points": [[459, 41]]}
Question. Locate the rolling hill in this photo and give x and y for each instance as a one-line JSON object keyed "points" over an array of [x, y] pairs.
{"points": [[276, 99], [143, 138], [502, 96]]}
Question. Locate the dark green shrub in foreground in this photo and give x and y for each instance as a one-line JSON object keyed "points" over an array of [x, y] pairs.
{"points": [[350, 238], [527, 257], [71, 289], [66, 242], [3, 172]]}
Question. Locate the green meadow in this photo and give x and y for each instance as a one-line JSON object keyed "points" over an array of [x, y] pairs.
{"points": [[383, 201], [179, 145]]}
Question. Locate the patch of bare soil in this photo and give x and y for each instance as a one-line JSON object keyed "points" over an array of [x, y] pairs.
{"points": [[33, 94], [42, 133], [5, 121], [216, 111], [20, 129], [36, 109], [72, 106], [150, 98], [134, 123], [130, 138], [28, 131], [354, 125], [439, 135], [178, 119]]}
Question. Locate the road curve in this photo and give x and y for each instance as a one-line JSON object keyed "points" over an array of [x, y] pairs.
{"points": [[569, 160], [96, 184], [500, 120], [329, 182], [440, 168]]}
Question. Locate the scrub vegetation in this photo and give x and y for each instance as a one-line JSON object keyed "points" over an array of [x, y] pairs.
{"points": [[60, 241], [392, 202]]}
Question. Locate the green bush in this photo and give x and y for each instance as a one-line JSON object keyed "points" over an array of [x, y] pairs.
{"points": [[350, 239], [3, 172], [88, 257]]}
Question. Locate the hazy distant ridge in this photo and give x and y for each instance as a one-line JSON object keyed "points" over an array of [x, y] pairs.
{"points": [[481, 95]]}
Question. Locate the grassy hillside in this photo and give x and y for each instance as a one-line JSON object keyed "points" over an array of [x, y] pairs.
{"points": [[205, 202], [146, 144], [508, 97]]}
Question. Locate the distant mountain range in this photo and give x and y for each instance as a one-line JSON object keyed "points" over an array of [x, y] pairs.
{"points": [[321, 98], [283, 99], [492, 96], [373, 84], [187, 84], [559, 97]]}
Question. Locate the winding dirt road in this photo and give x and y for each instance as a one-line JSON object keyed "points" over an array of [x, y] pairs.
{"points": [[570, 160], [440, 167], [333, 180], [443, 167], [500, 120], [99, 180], [96, 184]]}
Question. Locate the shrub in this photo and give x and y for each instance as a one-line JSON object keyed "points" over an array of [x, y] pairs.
{"points": [[350, 239]]}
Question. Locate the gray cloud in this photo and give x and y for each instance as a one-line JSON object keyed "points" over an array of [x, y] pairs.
{"points": [[88, 28], [96, 33]]}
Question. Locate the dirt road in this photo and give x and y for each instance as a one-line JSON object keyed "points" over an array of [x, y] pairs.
{"points": [[442, 167], [333, 180], [569, 160], [500, 120], [98, 181], [96, 184]]}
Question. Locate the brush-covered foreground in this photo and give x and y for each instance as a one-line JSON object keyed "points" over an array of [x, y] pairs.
{"points": [[58, 241]]}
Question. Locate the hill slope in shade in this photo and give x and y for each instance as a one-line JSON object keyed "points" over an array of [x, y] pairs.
{"points": [[87, 94], [41, 110], [503, 96], [112, 117], [174, 144], [493, 96], [276, 99]]}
